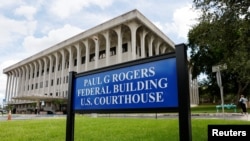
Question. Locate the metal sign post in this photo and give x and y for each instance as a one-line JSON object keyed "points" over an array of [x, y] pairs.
{"points": [[217, 69]]}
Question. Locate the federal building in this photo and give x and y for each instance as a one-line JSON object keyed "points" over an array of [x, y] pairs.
{"points": [[41, 81]]}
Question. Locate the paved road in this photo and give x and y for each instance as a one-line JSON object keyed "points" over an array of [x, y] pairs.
{"points": [[226, 116]]}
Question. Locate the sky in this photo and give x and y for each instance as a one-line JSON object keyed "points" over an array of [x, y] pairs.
{"points": [[30, 26]]}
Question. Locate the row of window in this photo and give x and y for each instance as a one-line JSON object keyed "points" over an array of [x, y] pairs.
{"points": [[102, 55], [58, 82]]}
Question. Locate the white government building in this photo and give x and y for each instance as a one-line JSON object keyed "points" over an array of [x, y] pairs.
{"points": [[41, 81]]}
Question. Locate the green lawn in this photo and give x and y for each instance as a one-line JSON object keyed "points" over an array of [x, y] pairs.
{"points": [[105, 129]]}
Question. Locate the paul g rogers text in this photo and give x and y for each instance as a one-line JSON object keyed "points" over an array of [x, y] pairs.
{"points": [[129, 87]]}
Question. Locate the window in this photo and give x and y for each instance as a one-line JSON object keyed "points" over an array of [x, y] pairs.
{"points": [[36, 86], [41, 84], [83, 60], [125, 47], [75, 62], [57, 82], [92, 57], [59, 67], [67, 79], [51, 82], [46, 83], [112, 51], [102, 54]]}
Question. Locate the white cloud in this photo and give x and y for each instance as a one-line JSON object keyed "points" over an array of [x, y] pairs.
{"points": [[26, 11], [183, 19], [11, 30], [65, 8], [6, 3], [34, 45]]}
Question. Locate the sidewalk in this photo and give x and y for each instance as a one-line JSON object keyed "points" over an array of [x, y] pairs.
{"points": [[227, 116]]}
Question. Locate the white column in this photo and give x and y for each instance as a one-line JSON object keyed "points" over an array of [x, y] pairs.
{"points": [[63, 68], [50, 73], [86, 43], [106, 35], [79, 50], [27, 80], [55, 73], [133, 27], [22, 85], [7, 87], [150, 45], [157, 47], [40, 77], [96, 40], [119, 44], [35, 78], [142, 39], [17, 82], [70, 58], [31, 79], [45, 75], [12, 84]]}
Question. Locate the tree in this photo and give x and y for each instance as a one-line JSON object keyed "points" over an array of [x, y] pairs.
{"points": [[222, 36]]}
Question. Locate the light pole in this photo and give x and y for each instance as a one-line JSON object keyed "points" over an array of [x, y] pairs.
{"points": [[218, 69]]}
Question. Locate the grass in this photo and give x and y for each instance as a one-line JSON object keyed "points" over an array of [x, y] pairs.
{"points": [[105, 129]]}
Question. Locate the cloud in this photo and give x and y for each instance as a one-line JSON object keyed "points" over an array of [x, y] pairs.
{"points": [[183, 19], [27, 11], [64, 8], [34, 45], [11, 30]]}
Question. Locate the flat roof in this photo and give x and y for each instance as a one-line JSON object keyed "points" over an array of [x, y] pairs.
{"points": [[131, 15]]}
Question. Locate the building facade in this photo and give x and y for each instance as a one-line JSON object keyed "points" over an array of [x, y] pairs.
{"points": [[41, 81]]}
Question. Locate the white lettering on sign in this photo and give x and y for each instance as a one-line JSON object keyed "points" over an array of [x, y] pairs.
{"points": [[128, 87]]}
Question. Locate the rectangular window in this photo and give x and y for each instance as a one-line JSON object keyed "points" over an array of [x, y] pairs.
{"points": [[102, 54], [67, 79], [75, 62], [59, 67], [41, 84], [92, 57], [36, 87], [83, 60], [124, 47], [47, 84], [51, 82], [112, 51]]}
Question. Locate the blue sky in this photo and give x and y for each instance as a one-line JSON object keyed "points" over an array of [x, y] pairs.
{"points": [[30, 26]]}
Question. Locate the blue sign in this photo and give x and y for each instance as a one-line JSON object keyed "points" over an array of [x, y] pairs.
{"points": [[148, 85]]}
